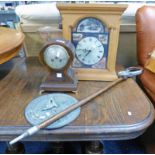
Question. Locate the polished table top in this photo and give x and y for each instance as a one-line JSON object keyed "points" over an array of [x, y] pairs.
{"points": [[123, 112], [10, 43]]}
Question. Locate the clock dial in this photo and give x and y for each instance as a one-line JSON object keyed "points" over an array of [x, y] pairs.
{"points": [[56, 57], [91, 40], [89, 51]]}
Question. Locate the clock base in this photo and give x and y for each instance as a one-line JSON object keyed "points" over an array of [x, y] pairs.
{"points": [[95, 74], [60, 84], [49, 86]]}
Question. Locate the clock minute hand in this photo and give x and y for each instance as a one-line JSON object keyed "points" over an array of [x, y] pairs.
{"points": [[88, 51]]}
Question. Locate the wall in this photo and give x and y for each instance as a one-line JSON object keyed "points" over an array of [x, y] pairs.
{"points": [[127, 46]]}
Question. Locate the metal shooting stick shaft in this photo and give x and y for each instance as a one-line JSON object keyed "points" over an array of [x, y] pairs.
{"points": [[130, 72]]}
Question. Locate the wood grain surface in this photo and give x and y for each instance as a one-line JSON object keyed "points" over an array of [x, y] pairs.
{"points": [[123, 112], [10, 43]]}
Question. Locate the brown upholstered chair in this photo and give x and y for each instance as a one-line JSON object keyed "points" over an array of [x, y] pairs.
{"points": [[145, 25]]}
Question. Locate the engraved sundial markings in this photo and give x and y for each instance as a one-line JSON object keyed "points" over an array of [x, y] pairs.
{"points": [[48, 105]]}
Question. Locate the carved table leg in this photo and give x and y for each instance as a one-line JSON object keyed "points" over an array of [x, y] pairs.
{"points": [[17, 148], [94, 147], [57, 147]]}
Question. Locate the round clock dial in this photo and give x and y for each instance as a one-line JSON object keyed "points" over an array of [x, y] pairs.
{"points": [[56, 57], [89, 51]]}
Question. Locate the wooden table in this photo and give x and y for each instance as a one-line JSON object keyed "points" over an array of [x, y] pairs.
{"points": [[123, 112], [10, 43]]}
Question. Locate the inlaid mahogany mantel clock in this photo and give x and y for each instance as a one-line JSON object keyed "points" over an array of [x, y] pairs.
{"points": [[57, 56], [94, 31]]}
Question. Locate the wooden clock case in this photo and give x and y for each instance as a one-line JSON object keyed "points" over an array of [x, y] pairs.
{"points": [[110, 15], [67, 80]]}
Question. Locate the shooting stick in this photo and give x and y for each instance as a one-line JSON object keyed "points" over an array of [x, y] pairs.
{"points": [[130, 72]]}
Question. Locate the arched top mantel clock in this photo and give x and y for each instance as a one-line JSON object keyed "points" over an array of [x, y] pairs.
{"points": [[94, 31]]}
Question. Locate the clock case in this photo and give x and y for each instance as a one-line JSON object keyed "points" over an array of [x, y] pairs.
{"points": [[110, 15], [67, 80]]}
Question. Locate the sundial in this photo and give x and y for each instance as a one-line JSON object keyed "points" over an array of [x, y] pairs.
{"points": [[46, 106]]}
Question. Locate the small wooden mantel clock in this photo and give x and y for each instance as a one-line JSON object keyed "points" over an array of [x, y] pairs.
{"points": [[57, 56], [94, 31]]}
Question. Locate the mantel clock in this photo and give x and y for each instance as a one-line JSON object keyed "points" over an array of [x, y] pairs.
{"points": [[57, 56], [94, 31]]}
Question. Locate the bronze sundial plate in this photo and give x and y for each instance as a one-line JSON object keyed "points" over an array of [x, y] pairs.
{"points": [[46, 106]]}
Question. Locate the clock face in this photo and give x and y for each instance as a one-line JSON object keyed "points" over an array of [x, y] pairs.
{"points": [[91, 40], [89, 51], [56, 57]]}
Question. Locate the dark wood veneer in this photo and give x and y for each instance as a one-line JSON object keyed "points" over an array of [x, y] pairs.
{"points": [[106, 117]]}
